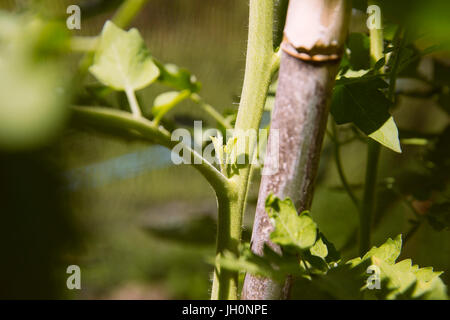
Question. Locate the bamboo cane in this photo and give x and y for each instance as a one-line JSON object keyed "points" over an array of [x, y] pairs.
{"points": [[314, 38]]}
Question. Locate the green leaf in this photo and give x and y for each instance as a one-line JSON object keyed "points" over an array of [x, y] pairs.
{"points": [[409, 281], [166, 101], [270, 265], [122, 60], [321, 257], [319, 249], [387, 135], [389, 252], [402, 279], [291, 229], [177, 78], [343, 282], [380, 64], [362, 103], [325, 250]]}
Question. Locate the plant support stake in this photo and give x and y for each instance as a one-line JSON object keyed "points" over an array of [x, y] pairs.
{"points": [[314, 38]]}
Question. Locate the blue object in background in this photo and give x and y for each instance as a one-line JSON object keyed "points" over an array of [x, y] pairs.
{"points": [[120, 168]]}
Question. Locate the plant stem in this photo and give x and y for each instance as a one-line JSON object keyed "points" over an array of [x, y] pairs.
{"points": [[373, 154], [83, 44], [340, 167], [259, 66], [127, 11], [211, 111], [215, 115], [376, 40], [229, 226], [134, 105], [367, 207], [260, 58], [123, 121]]}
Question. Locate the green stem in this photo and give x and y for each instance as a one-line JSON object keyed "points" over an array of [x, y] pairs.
{"points": [[376, 41], [134, 105], [259, 67], [367, 207], [120, 120], [215, 115], [127, 11], [373, 154], [211, 111], [340, 167], [83, 44], [225, 282], [399, 42]]}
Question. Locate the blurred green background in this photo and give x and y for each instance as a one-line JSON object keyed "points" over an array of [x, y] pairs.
{"points": [[108, 204]]}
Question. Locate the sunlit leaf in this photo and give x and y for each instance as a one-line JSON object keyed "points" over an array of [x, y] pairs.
{"points": [[166, 101], [122, 60], [291, 229], [402, 279], [387, 135]]}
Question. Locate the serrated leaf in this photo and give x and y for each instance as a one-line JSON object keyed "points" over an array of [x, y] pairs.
{"points": [[343, 281], [291, 229], [325, 250], [388, 251], [403, 279], [122, 60], [322, 256], [408, 281]]}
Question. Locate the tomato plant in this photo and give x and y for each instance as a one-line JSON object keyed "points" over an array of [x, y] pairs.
{"points": [[318, 67]]}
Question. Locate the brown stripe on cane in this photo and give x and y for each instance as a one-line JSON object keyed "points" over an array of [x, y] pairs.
{"points": [[317, 37]]}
